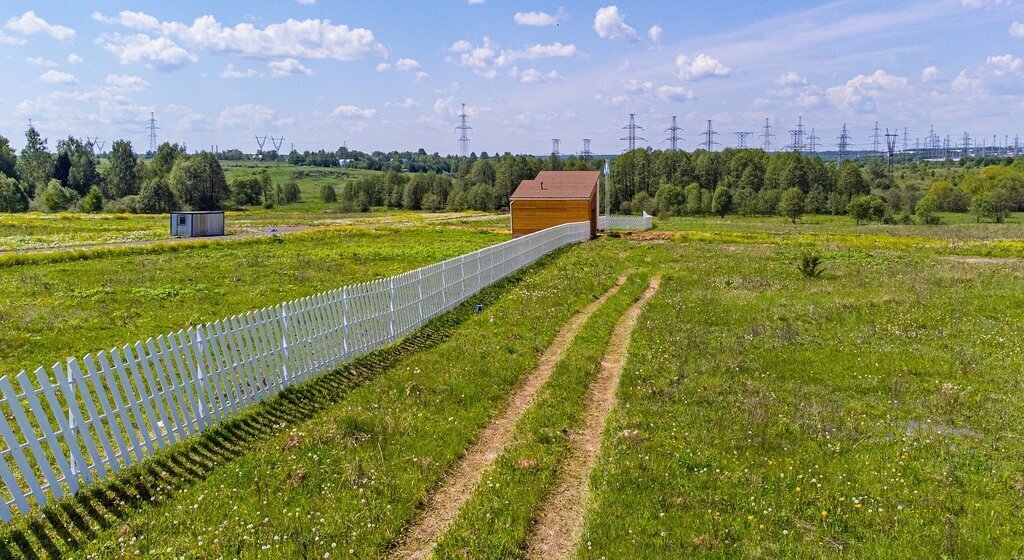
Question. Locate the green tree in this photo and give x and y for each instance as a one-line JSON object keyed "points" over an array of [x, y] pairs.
{"points": [[247, 191], [995, 204], [291, 192], [670, 200], [328, 194], [791, 204], [851, 181], [8, 161], [163, 161], [58, 198], [198, 182], [92, 202], [866, 208], [156, 197], [12, 198], [75, 166], [122, 173], [721, 203], [35, 163], [692, 192]]}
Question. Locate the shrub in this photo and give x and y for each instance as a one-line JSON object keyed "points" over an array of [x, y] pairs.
{"points": [[328, 194], [125, 205], [926, 210], [57, 198], [721, 204], [12, 198], [810, 264], [93, 201], [247, 191], [291, 192]]}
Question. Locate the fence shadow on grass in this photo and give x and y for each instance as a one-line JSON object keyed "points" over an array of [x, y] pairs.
{"points": [[67, 525]]}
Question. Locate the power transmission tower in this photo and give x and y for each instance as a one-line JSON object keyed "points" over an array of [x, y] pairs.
{"points": [[890, 144], [813, 139], [876, 137], [906, 139], [796, 137], [260, 141], [965, 146], [673, 138], [934, 144], [95, 144], [556, 145], [1016, 145], [463, 129], [152, 133], [586, 154], [278, 142], [631, 137], [709, 137], [741, 139], [844, 144], [767, 135]]}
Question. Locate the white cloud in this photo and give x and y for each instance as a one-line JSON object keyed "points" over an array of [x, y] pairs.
{"points": [[6, 39], [351, 111], [485, 59], [610, 24], [57, 77], [701, 67], [310, 38], [383, 67], [73, 58], [29, 23], [929, 74], [160, 52], [306, 2], [476, 2], [1017, 30], [790, 79], [984, 3], [673, 93], [407, 103], [243, 116], [461, 46], [126, 83], [863, 93], [538, 19], [421, 76], [288, 67], [655, 34], [532, 75], [407, 64], [40, 61], [231, 73]]}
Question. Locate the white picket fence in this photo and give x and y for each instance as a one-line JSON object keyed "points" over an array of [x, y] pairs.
{"points": [[68, 427], [643, 222]]}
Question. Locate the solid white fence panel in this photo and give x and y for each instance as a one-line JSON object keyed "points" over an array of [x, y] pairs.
{"points": [[136, 399]]}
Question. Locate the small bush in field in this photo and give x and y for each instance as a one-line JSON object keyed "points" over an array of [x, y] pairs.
{"points": [[810, 264]]}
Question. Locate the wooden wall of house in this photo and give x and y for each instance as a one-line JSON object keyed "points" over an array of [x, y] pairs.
{"points": [[532, 215]]}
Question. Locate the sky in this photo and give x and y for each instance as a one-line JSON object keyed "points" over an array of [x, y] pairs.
{"points": [[389, 75]]}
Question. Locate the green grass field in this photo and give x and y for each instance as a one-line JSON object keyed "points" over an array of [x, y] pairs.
{"points": [[873, 412]]}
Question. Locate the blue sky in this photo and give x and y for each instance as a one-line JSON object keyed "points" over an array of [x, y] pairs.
{"points": [[392, 75]]}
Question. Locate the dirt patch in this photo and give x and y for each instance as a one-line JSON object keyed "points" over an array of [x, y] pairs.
{"points": [[560, 524], [987, 260], [458, 485]]}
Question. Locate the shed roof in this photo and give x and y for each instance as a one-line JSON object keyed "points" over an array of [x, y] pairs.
{"points": [[559, 184]]}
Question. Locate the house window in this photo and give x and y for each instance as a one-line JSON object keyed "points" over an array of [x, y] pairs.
{"points": [[181, 220]]}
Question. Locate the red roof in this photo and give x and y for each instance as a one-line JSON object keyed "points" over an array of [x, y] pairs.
{"points": [[559, 184]]}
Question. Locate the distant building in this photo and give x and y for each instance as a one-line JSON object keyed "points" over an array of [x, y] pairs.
{"points": [[554, 198]]}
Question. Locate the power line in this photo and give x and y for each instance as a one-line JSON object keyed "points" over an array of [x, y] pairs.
{"points": [[673, 138], [631, 137], [463, 129]]}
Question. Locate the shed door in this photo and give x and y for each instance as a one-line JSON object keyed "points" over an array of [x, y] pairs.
{"points": [[181, 225]]}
